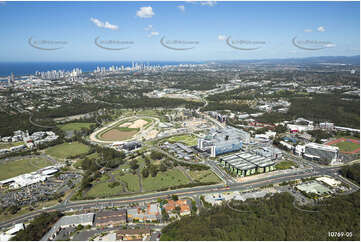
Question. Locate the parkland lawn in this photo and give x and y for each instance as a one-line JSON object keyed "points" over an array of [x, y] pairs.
{"points": [[74, 126], [13, 168], [65, 150]]}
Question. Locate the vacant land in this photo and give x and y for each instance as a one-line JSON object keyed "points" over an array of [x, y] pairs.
{"points": [[74, 126], [189, 140], [283, 165], [7, 145], [166, 179], [103, 190], [130, 181], [67, 150], [204, 176], [13, 168], [127, 183]]}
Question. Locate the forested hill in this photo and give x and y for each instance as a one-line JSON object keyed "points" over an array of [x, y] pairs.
{"points": [[271, 219]]}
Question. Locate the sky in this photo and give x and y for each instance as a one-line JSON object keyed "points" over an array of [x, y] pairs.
{"points": [[176, 31]]}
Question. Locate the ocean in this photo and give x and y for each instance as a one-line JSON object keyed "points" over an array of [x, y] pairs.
{"points": [[28, 68]]}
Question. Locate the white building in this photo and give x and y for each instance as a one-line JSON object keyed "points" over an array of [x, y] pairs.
{"points": [[329, 181], [322, 152], [299, 128]]}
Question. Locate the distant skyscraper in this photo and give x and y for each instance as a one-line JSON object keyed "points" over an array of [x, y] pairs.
{"points": [[11, 79]]}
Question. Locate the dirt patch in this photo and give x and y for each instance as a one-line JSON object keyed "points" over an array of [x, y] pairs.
{"points": [[117, 135], [138, 124]]}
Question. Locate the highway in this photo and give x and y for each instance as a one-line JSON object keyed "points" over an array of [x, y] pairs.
{"points": [[240, 186]]}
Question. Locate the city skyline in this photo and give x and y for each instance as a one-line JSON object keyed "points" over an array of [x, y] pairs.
{"points": [[177, 31]]}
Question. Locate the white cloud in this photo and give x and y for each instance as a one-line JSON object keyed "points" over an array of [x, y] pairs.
{"points": [[209, 3], [105, 25], [181, 8], [222, 37], [153, 33], [145, 12], [321, 29], [148, 28], [330, 45], [203, 3], [97, 22], [307, 30]]}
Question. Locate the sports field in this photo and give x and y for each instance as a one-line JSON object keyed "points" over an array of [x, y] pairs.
{"points": [[166, 179], [189, 140], [74, 126], [13, 168], [67, 149], [346, 145]]}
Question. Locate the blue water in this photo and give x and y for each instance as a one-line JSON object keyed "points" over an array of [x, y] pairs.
{"points": [[27, 68]]}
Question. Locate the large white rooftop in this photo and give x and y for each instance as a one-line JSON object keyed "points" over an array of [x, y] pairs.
{"points": [[322, 147]]}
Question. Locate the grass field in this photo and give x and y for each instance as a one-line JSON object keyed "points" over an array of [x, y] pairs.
{"points": [[283, 165], [166, 179], [185, 139], [17, 167], [147, 113], [204, 176], [74, 126], [8, 145], [67, 149]]}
